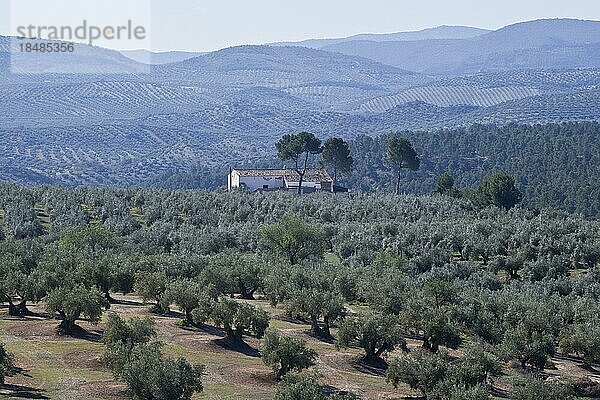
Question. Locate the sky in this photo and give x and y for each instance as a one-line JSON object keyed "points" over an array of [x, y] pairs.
{"points": [[205, 25]]}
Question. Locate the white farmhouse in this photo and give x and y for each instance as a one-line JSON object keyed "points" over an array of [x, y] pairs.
{"points": [[254, 180]]}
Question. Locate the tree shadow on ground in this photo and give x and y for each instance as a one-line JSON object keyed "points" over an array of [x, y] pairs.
{"points": [[208, 329], [370, 367], [28, 316], [500, 393], [79, 333], [22, 392], [243, 347], [123, 302], [332, 390], [321, 336]]}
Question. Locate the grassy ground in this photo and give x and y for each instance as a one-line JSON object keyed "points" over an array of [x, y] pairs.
{"points": [[57, 367]]}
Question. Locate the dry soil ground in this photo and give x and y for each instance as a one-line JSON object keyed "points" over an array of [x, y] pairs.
{"points": [[58, 367]]}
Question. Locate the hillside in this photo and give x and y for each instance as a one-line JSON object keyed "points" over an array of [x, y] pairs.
{"points": [[536, 44], [162, 57], [231, 105]]}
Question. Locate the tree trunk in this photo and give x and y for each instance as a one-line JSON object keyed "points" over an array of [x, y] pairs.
{"points": [[398, 182], [17, 310], [314, 327], [326, 329], [246, 294], [302, 174], [235, 335], [66, 326], [108, 298], [189, 320], [300, 183]]}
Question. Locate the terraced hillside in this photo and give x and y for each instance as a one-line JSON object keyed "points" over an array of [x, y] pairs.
{"points": [[110, 124], [445, 96]]}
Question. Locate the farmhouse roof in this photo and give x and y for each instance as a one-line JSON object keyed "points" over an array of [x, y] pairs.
{"points": [[312, 175]]}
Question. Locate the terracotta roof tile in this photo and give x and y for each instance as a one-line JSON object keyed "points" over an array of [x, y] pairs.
{"points": [[312, 175]]}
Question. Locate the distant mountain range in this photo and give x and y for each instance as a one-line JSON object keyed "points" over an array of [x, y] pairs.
{"points": [[560, 43], [120, 121], [440, 32], [164, 57]]}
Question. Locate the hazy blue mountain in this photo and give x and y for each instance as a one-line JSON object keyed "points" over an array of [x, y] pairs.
{"points": [[559, 43], [163, 57], [440, 32], [82, 60]]}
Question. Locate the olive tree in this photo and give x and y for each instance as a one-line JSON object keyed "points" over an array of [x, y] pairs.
{"points": [[151, 377], [317, 304], [71, 303], [376, 333], [535, 388], [151, 286], [285, 354], [121, 336], [187, 295], [306, 387], [420, 370], [239, 319], [293, 239]]}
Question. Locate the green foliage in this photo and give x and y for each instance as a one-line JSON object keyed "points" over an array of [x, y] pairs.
{"points": [[293, 239], [432, 312], [420, 370], [437, 376], [132, 332], [150, 377], [556, 164], [535, 388], [285, 354], [498, 190], [93, 239], [187, 295], [238, 319], [151, 286], [532, 323], [121, 337], [402, 155], [138, 362], [317, 304], [336, 154], [475, 368], [7, 363], [72, 303], [375, 333], [298, 148], [582, 338], [235, 274], [445, 185], [306, 387]]}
